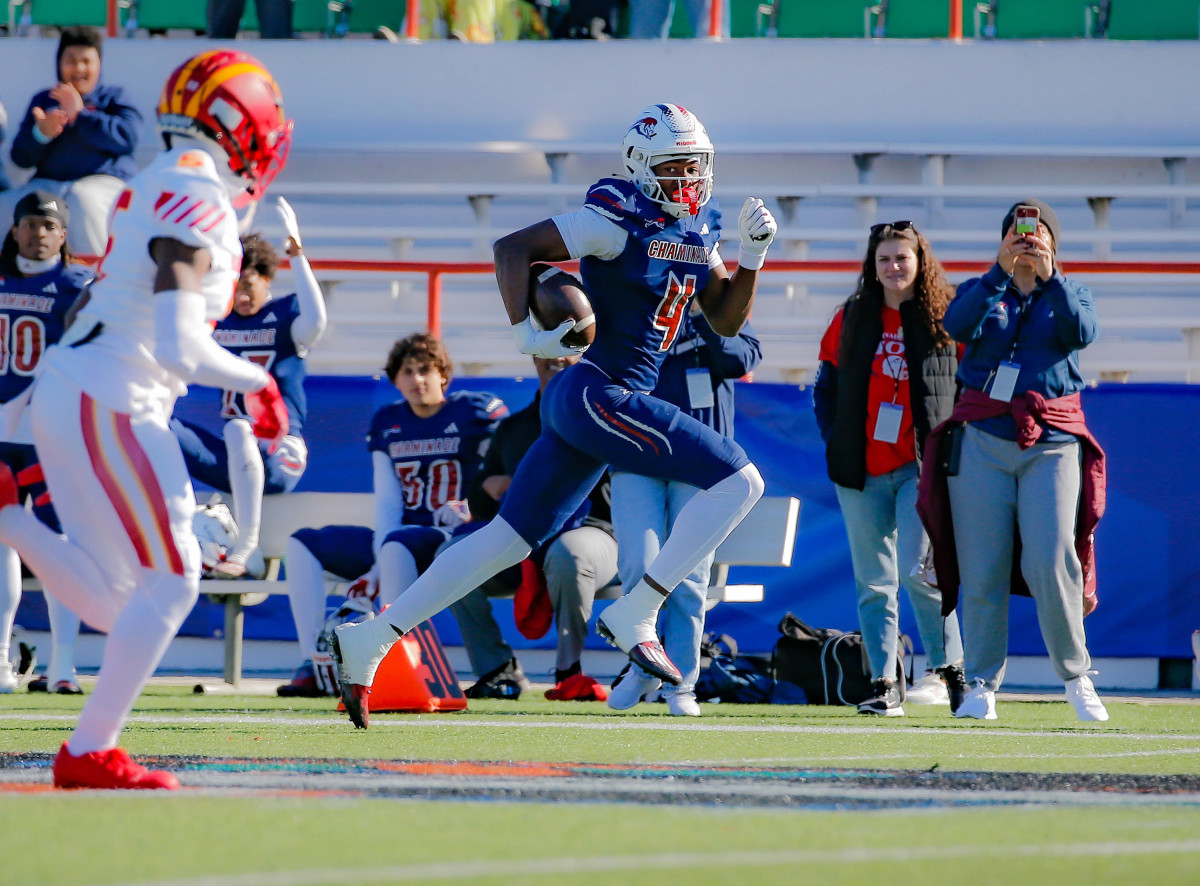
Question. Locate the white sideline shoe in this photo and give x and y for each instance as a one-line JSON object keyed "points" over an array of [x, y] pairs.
{"points": [[1081, 693], [631, 688], [8, 679], [930, 689], [978, 704], [683, 704]]}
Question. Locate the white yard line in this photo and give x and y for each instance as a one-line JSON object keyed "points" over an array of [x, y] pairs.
{"points": [[493, 869], [614, 724]]}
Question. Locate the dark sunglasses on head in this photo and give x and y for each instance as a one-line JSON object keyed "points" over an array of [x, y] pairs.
{"points": [[902, 225]]}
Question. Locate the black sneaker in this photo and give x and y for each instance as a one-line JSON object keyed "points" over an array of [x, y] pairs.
{"points": [[956, 684], [507, 681], [884, 701], [560, 674]]}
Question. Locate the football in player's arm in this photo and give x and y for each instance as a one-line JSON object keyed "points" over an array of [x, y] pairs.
{"points": [[647, 244]]}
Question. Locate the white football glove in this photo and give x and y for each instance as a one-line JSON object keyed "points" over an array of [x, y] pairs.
{"points": [[287, 215], [544, 343], [756, 228], [451, 515]]}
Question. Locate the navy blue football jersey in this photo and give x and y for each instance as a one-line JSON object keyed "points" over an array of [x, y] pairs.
{"points": [[641, 296], [436, 458], [32, 313], [266, 339]]}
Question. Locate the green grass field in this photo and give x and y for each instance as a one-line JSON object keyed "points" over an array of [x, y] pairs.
{"points": [[281, 800]]}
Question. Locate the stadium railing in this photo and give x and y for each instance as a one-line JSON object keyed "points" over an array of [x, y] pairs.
{"points": [[765, 537]]}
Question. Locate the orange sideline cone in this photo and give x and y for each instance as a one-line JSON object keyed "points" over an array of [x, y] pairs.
{"points": [[415, 676]]}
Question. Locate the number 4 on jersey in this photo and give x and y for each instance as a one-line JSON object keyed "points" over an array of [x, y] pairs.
{"points": [[670, 310]]}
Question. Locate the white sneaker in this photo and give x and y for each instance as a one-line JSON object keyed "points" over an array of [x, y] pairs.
{"points": [[930, 689], [978, 704], [8, 679], [631, 688], [1081, 693], [683, 704]]}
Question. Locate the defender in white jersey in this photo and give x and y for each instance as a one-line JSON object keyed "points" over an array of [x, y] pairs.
{"points": [[130, 564]]}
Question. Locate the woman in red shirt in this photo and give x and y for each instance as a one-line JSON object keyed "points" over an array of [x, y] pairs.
{"points": [[887, 377]]}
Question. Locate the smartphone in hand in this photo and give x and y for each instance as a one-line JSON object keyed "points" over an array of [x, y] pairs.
{"points": [[1025, 220]]}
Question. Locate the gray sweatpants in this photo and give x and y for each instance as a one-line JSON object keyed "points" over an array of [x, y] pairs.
{"points": [[1001, 489], [578, 564]]}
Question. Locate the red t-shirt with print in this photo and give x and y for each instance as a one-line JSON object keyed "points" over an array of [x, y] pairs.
{"points": [[889, 384]]}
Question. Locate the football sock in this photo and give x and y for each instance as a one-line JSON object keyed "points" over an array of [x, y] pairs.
{"points": [[702, 524], [397, 571], [10, 597], [136, 643], [246, 478], [472, 561], [64, 628], [306, 593], [65, 570]]}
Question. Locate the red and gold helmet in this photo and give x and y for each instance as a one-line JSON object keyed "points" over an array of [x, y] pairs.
{"points": [[230, 98]]}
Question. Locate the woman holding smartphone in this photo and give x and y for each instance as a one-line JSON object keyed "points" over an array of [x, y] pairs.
{"points": [[1026, 484], [887, 377]]}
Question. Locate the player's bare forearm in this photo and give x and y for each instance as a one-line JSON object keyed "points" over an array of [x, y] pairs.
{"points": [[726, 301], [179, 266], [515, 253]]}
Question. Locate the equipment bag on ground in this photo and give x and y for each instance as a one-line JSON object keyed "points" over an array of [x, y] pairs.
{"points": [[826, 665]]}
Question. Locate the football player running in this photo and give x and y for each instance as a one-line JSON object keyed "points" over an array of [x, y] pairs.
{"points": [[647, 242], [130, 564], [277, 334]]}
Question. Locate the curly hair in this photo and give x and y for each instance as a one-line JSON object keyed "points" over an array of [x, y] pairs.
{"points": [[259, 255], [425, 349], [931, 290]]}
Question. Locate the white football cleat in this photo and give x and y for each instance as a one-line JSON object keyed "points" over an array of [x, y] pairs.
{"points": [[358, 657], [635, 632]]}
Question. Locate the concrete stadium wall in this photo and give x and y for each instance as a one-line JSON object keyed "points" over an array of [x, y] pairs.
{"points": [[371, 92]]}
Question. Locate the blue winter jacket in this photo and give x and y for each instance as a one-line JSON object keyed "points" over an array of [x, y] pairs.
{"points": [[1042, 332], [101, 141]]}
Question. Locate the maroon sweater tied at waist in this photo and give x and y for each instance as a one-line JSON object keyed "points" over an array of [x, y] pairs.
{"points": [[1027, 410]]}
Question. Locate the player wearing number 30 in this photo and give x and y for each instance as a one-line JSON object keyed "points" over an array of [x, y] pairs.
{"points": [[647, 242], [130, 564]]}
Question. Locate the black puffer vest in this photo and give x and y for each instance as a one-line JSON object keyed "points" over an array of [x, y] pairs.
{"points": [[931, 372]]}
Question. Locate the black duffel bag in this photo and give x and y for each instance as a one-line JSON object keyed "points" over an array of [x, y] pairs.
{"points": [[829, 666]]}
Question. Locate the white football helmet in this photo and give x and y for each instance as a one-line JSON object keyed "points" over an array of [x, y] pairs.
{"points": [[664, 132]]}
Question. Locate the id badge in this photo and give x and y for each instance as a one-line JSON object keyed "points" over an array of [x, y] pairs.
{"points": [[699, 385], [1004, 384], [887, 425]]}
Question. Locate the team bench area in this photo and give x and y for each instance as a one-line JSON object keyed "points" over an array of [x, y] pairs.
{"points": [[765, 538]]}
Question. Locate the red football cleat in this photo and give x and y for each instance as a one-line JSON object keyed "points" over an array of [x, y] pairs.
{"points": [[108, 770], [9, 494]]}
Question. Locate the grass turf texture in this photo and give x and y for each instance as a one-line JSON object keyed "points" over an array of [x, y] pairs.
{"points": [[226, 837]]}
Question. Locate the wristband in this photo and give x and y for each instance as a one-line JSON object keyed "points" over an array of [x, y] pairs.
{"points": [[751, 261]]}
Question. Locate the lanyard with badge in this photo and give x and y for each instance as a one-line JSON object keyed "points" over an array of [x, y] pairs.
{"points": [[891, 415], [1004, 376]]}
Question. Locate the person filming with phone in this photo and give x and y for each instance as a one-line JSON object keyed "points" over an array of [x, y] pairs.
{"points": [[1015, 476]]}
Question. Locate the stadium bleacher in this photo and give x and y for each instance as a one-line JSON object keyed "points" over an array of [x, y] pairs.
{"points": [[894, 19]]}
